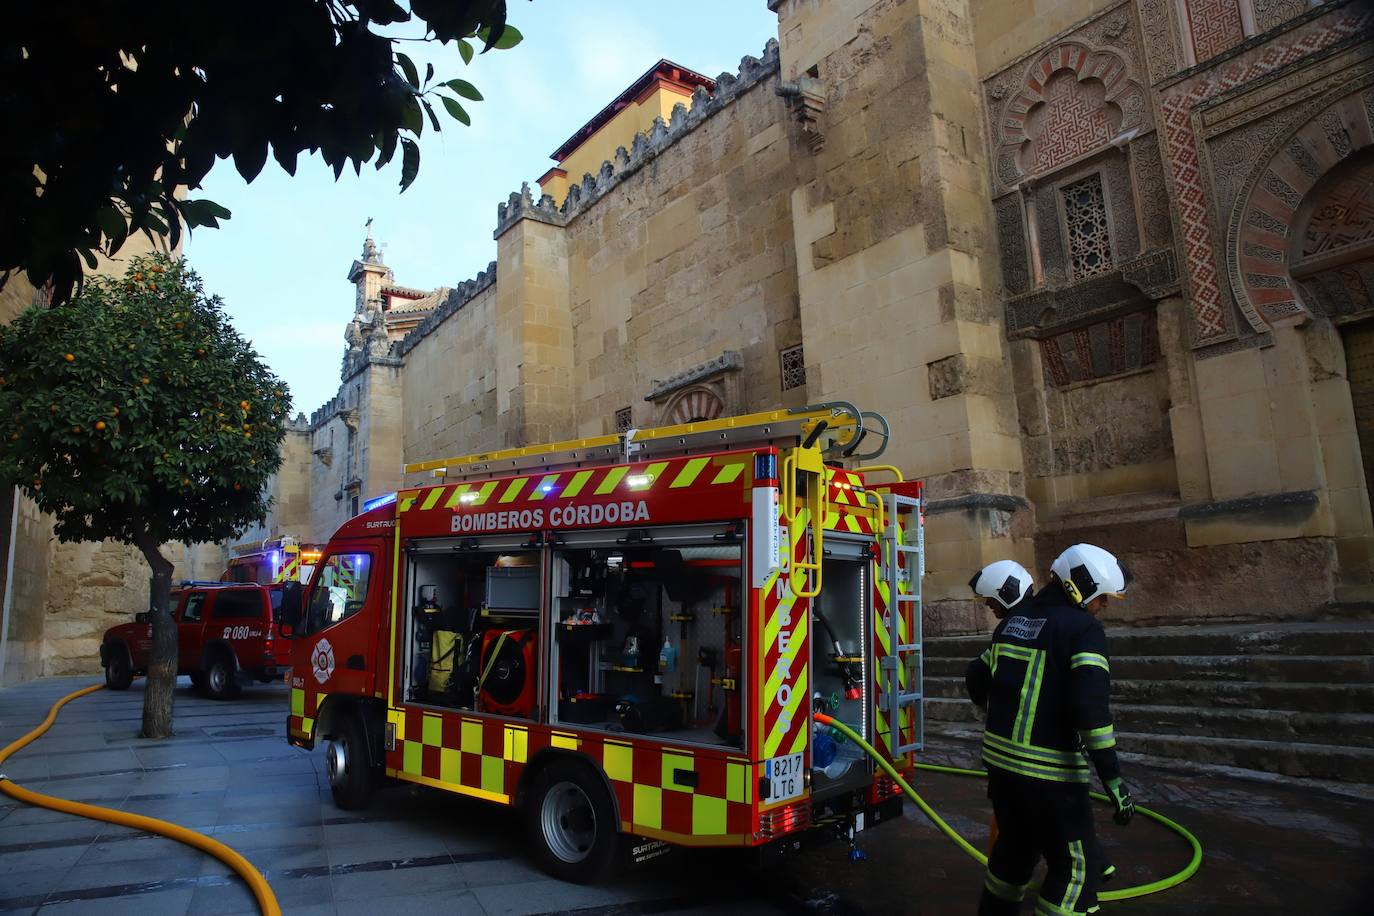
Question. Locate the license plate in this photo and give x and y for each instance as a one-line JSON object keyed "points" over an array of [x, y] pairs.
{"points": [[784, 777]]}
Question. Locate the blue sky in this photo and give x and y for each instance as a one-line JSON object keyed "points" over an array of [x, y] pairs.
{"points": [[280, 263]]}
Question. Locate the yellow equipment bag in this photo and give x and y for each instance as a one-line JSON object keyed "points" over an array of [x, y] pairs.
{"points": [[447, 647]]}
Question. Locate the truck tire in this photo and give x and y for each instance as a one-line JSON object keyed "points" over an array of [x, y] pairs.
{"points": [[221, 681], [118, 672], [572, 823], [349, 766]]}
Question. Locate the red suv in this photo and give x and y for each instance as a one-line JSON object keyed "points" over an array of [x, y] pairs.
{"points": [[225, 637]]}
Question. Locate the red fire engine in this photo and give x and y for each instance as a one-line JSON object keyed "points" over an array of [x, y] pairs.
{"points": [[629, 635], [270, 562]]}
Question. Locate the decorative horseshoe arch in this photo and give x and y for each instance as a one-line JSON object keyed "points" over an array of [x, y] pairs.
{"points": [[1263, 243], [1099, 103], [694, 405]]}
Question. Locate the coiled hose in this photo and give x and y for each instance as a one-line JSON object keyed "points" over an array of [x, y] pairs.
{"points": [[1121, 893], [262, 891]]}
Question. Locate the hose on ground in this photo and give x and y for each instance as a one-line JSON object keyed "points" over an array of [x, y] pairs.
{"points": [[1122, 893], [262, 891]]}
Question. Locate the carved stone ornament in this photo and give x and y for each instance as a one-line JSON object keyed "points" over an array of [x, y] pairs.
{"points": [[1067, 100], [1261, 247]]}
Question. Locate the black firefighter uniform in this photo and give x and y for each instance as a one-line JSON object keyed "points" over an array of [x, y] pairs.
{"points": [[1045, 681]]}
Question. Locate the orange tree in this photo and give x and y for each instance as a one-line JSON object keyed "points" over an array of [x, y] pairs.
{"points": [[134, 412]]}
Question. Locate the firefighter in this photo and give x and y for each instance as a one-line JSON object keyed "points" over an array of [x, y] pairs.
{"points": [[1045, 682], [1002, 586]]}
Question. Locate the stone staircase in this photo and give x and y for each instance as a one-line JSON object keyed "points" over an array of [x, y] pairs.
{"points": [[1292, 699]]}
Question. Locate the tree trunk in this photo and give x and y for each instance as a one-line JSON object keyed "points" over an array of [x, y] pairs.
{"points": [[161, 681]]}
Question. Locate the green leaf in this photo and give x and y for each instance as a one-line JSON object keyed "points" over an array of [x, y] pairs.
{"points": [[429, 73], [509, 38], [433, 118], [410, 162], [411, 117], [112, 223], [456, 110], [465, 89], [465, 50], [408, 68]]}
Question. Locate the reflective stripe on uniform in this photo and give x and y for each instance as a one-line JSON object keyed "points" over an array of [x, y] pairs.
{"points": [[1077, 871], [1098, 739], [1044, 908], [1033, 752], [1012, 893], [1034, 770], [1089, 658], [1030, 696]]}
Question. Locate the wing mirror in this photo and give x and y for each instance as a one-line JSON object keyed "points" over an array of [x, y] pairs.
{"points": [[289, 614]]}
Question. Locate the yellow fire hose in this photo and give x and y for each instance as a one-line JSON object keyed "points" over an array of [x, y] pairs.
{"points": [[267, 901], [1123, 893]]}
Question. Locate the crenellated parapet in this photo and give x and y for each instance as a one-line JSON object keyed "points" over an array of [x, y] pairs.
{"points": [[458, 297], [645, 148]]}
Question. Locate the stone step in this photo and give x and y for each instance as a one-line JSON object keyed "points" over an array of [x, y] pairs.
{"points": [[1343, 729], [1305, 697], [1342, 638], [1289, 758], [1342, 669]]}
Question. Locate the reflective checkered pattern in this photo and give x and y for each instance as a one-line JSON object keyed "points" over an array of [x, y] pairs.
{"points": [[486, 758]]}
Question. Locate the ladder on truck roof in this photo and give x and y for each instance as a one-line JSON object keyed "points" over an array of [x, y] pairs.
{"points": [[839, 425]]}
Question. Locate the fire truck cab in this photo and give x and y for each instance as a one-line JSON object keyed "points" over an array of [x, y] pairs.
{"points": [[272, 561], [629, 636]]}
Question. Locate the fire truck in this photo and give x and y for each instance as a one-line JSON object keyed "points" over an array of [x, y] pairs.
{"points": [[271, 561], [629, 636]]}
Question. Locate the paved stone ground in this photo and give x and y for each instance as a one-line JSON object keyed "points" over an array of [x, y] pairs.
{"points": [[1271, 847]]}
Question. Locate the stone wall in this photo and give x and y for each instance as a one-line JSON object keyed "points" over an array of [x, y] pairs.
{"points": [[704, 229], [448, 400]]}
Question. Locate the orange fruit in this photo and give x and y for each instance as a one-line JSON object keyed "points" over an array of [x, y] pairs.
{"points": [[76, 429], [114, 411], [99, 424], [70, 357], [243, 404], [146, 380], [152, 285]]}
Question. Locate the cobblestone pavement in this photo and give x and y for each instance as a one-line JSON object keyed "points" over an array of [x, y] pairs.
{"points": [[1271, 848]]}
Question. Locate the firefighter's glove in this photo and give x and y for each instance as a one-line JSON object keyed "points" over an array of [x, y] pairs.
{"points": [[1125, 807]]}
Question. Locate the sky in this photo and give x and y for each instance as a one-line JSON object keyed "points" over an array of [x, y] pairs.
{"points": [[281, 262]]}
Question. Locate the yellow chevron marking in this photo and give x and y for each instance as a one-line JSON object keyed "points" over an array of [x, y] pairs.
{"points": [[578, 482], [794, 645], [431, 498], [689, 473], [654, 472], [485, 493], [405, 505], [611, 480], [799, 693], [514, 489], [457, 495], [547, 482], [728, 473], [852, 524]]}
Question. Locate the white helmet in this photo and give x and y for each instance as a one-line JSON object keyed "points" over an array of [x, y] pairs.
{"points": [[1005, 582], [1087, 571]]}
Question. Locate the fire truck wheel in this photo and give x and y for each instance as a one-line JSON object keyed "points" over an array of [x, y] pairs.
{"points": [[118, 674], [572, 823], [346, 761], [221, 683]]}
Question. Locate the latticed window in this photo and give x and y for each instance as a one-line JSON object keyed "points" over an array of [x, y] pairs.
{"points": [[793, 368], [1085, 217], [622, 419]]}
